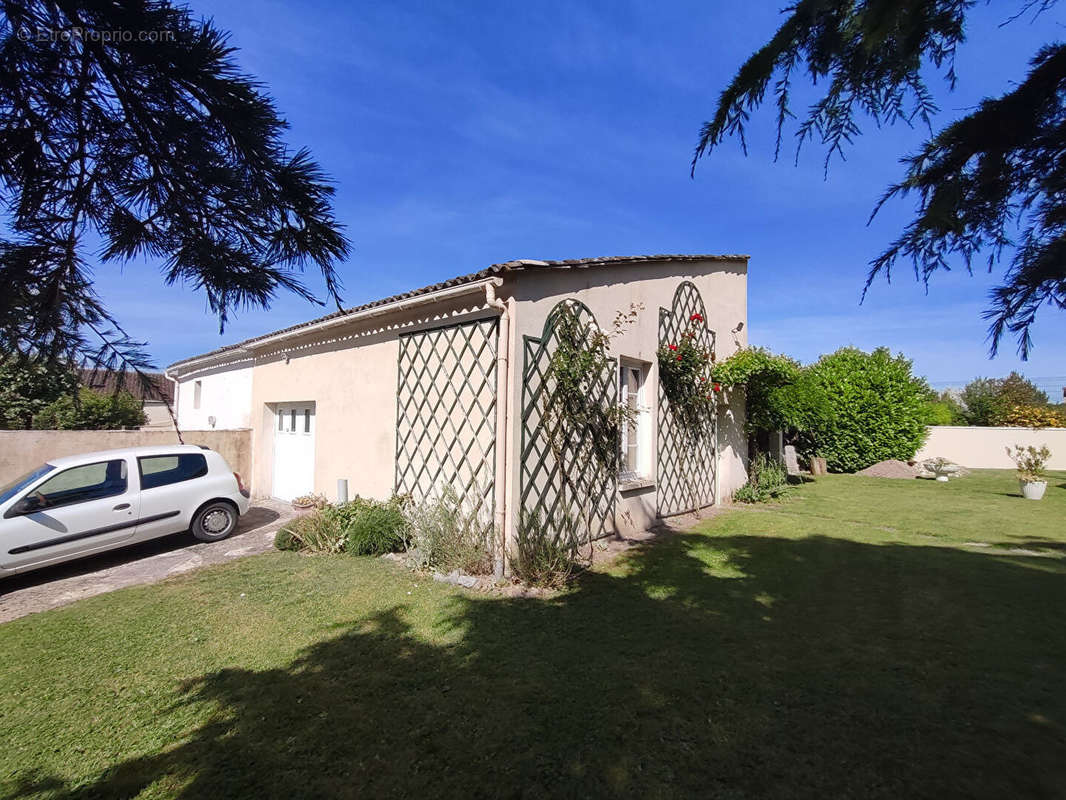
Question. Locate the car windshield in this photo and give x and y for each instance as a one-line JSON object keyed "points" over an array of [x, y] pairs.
{"points": [[17, 485]]}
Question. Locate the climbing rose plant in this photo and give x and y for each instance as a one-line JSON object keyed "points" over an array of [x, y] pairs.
{"points": [[684, 371]]}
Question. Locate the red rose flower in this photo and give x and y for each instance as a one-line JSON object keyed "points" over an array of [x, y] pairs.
{"points": [[678, 356], [718, 387], [672, 346], [695, 318]]}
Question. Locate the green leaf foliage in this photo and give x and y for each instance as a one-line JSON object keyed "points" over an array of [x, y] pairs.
{"points": [[991, 401], [28, 386], [91, 410], [685, 374], [761, 373], [780, 395], [880, 408]]}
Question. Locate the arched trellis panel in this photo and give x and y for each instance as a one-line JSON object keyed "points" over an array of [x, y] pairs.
{"points": [[565, 472], [686, 463]]}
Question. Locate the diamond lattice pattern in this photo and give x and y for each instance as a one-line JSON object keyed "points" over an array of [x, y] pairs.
{"points": [[587, 495], [446, 413], [686, 467]]}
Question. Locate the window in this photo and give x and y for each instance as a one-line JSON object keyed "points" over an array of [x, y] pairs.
{"points": [[83, 483], [307, 420], [292, 421], [197, 393], [164, 470], [17, 485], [636, 432]]}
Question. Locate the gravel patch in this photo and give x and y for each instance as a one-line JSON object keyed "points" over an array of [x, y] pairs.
{"points": [[890, 469]]}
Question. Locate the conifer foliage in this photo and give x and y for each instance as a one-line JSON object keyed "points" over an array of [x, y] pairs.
{"points": [[988, 187], [128, 131]]}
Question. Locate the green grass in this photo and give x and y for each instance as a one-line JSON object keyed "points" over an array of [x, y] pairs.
{"points": [[854, 641]]}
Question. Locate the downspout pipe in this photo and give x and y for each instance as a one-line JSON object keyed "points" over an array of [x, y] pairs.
{"points": [[172, 410], [502, 415]]}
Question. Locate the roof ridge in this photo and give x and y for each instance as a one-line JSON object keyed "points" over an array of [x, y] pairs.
{"points": [[487, 272]]}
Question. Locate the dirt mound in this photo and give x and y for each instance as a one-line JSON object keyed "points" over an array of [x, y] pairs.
{"points": [[890, 469]]}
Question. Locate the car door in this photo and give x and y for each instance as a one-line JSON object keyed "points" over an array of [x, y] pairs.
{"points": [[171, 490], [75, 510]]}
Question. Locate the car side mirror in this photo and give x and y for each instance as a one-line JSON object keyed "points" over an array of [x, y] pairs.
{"points": [[27, 505]]}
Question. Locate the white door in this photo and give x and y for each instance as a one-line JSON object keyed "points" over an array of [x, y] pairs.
{"points": [[294, 450]]}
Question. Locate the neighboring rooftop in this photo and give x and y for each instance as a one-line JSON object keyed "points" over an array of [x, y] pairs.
{"points": [[488, 272], [159, 387]]}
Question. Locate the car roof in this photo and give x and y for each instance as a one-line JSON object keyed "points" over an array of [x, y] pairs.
{"points": [[125, 452]]}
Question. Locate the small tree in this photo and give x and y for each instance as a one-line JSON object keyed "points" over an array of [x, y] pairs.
{"points": [[91, 410], [27, 387], [879, 407], [944, 409], [992, 401]]}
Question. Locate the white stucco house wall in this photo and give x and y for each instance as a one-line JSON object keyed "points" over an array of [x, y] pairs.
{"points": [[437, 386]]}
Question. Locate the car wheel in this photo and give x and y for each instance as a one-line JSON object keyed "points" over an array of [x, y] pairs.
{"points": [[214, 522]]}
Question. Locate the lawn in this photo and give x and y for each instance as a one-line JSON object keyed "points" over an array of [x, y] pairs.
{"points": [[867, 638]]}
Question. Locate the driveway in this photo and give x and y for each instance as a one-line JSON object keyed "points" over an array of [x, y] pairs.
{"points": [[147, 562]]}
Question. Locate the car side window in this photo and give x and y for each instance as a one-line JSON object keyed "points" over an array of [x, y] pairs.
{"points": [[159, 471], [83, 483]]}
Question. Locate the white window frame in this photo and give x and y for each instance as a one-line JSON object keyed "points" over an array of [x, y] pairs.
{"points": [[644, 472], [197, 394]]}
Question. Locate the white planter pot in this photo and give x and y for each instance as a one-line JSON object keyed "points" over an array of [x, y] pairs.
{"points": [[1033, 490]]}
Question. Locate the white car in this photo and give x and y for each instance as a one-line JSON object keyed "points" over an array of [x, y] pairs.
{"points": [[78, 505]]}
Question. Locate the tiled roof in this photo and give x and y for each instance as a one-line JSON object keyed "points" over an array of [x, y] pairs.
{"points": [[104, 381], [488, 272]]}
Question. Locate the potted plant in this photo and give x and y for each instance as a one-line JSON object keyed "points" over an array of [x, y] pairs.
{"points": [[306, 503], [1032, 469]]}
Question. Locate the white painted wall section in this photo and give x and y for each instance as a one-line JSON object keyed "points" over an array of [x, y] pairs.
{"points": [[224, 393]]}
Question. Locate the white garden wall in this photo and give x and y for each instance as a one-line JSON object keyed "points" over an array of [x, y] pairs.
{"points": [[986, 448]]}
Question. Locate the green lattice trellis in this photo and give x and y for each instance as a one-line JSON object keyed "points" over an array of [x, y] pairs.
{"points": [[446, 412], [678, 455], [588, 494]]}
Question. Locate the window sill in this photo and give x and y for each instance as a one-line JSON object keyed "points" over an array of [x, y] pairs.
{"points": [[632, 484]]}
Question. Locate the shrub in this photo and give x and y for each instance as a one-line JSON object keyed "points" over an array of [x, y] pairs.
{"points": [[371, 527], [767, 480], [446, 536], [1031, 461], [779, 395], [284, 540], [944, 410], [27, 387], [361, 527], [1033, 417], [879, 408], [91, 411], [990, 401], [546, 555], [317, 532]]}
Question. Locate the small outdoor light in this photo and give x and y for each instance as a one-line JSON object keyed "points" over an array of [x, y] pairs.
{"points": [[211, 421]]}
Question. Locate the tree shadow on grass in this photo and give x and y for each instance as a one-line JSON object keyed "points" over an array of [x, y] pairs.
{"points": [[815, 667]]}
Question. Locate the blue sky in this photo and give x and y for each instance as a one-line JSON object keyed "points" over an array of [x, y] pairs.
{"points": [[463, 134]]}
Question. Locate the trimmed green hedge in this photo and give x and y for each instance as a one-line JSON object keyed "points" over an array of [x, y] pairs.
{"points": [[880, 408]]}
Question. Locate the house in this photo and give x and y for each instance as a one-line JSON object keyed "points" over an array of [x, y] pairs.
{"points": [[154, 396], [442, 385]]}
